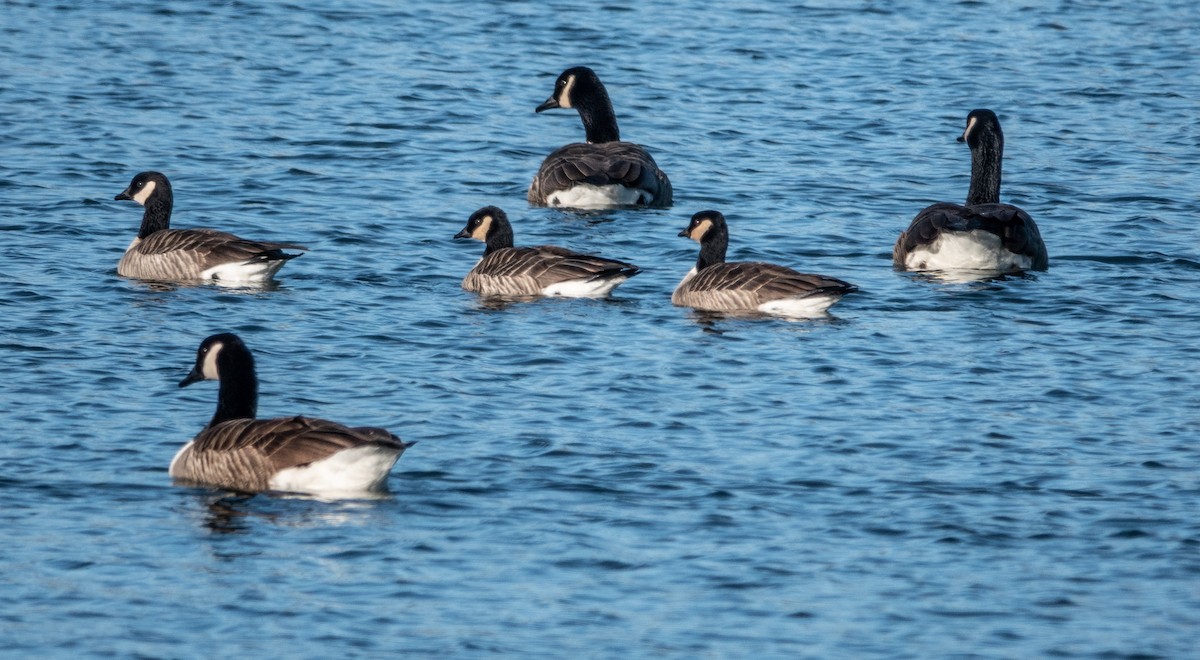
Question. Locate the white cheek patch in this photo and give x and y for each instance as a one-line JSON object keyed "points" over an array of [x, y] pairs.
{"points": [[970, 127], [145, 193], [210, 362], [481, 232], [564, 99], [700, 230]]}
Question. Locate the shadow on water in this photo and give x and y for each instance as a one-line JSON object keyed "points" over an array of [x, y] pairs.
{"points": [[711, 322], [967, 276], [236, 513], [157, 286], [502, 303], [226, 514]]}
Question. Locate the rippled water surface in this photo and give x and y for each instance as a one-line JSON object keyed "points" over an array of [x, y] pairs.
{"points": [[1005, 468]]}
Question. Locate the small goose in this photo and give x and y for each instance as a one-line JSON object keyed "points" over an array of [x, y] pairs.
{"points": [[294, 454], [983, 234], [603, 172], [716, 285], [545, 270], [161, 253]]}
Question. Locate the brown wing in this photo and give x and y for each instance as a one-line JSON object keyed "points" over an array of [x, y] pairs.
{"points": [[527, 271], [216, 246], [602, 164], [732, 286], [1017, 231], [243, 454]]}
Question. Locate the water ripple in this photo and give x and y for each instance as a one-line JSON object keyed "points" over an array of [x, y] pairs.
{"points": [[616, 476]]}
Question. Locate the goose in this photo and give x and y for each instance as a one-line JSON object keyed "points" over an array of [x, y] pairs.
{"points": [[293, 454], [603, 172], [165, 254], [545, 270], [715, 285], [982, 234]]}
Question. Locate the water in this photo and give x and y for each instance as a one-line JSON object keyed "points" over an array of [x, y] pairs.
{"points": [[1002, 469]]}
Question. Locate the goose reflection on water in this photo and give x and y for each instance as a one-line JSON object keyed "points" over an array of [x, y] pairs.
{"points": [[231, 513]]}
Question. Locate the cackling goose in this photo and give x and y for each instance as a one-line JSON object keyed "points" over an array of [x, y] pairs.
{"points": [[164, 254], [545, 270], [716, 285]]}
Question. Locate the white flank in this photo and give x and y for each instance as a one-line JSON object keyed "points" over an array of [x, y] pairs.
{"points": [[969, 250], [254, 270], [684, 281], [799, 308], [357, 470], [588, 196], [690, 274], [583, 288], [171, 469]]}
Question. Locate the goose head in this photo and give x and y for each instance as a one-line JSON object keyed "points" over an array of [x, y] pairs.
{"points": [[146, 186], [705, 226], [579, 88], [982, 125], [489, 225], [219, 354]]}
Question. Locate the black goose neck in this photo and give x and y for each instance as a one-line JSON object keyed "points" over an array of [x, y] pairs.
{"points": [[238, 395], [599, 120], [713, 246], [500, 235], [157, 215], [987, 155]]}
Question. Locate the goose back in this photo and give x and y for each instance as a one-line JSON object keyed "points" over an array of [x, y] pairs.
{"points": [[249, 455], [202, 254], [947, 236], [545, 270], [610, 173], [728, 286]]}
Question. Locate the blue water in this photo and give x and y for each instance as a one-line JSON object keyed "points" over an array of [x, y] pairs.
{"points": [[996, 469]]}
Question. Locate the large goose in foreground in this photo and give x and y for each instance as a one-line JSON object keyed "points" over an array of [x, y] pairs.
{"points": [[983, 234], [603, 172], [175, 255], [292, 454], [715, 285], [545, 270]]}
